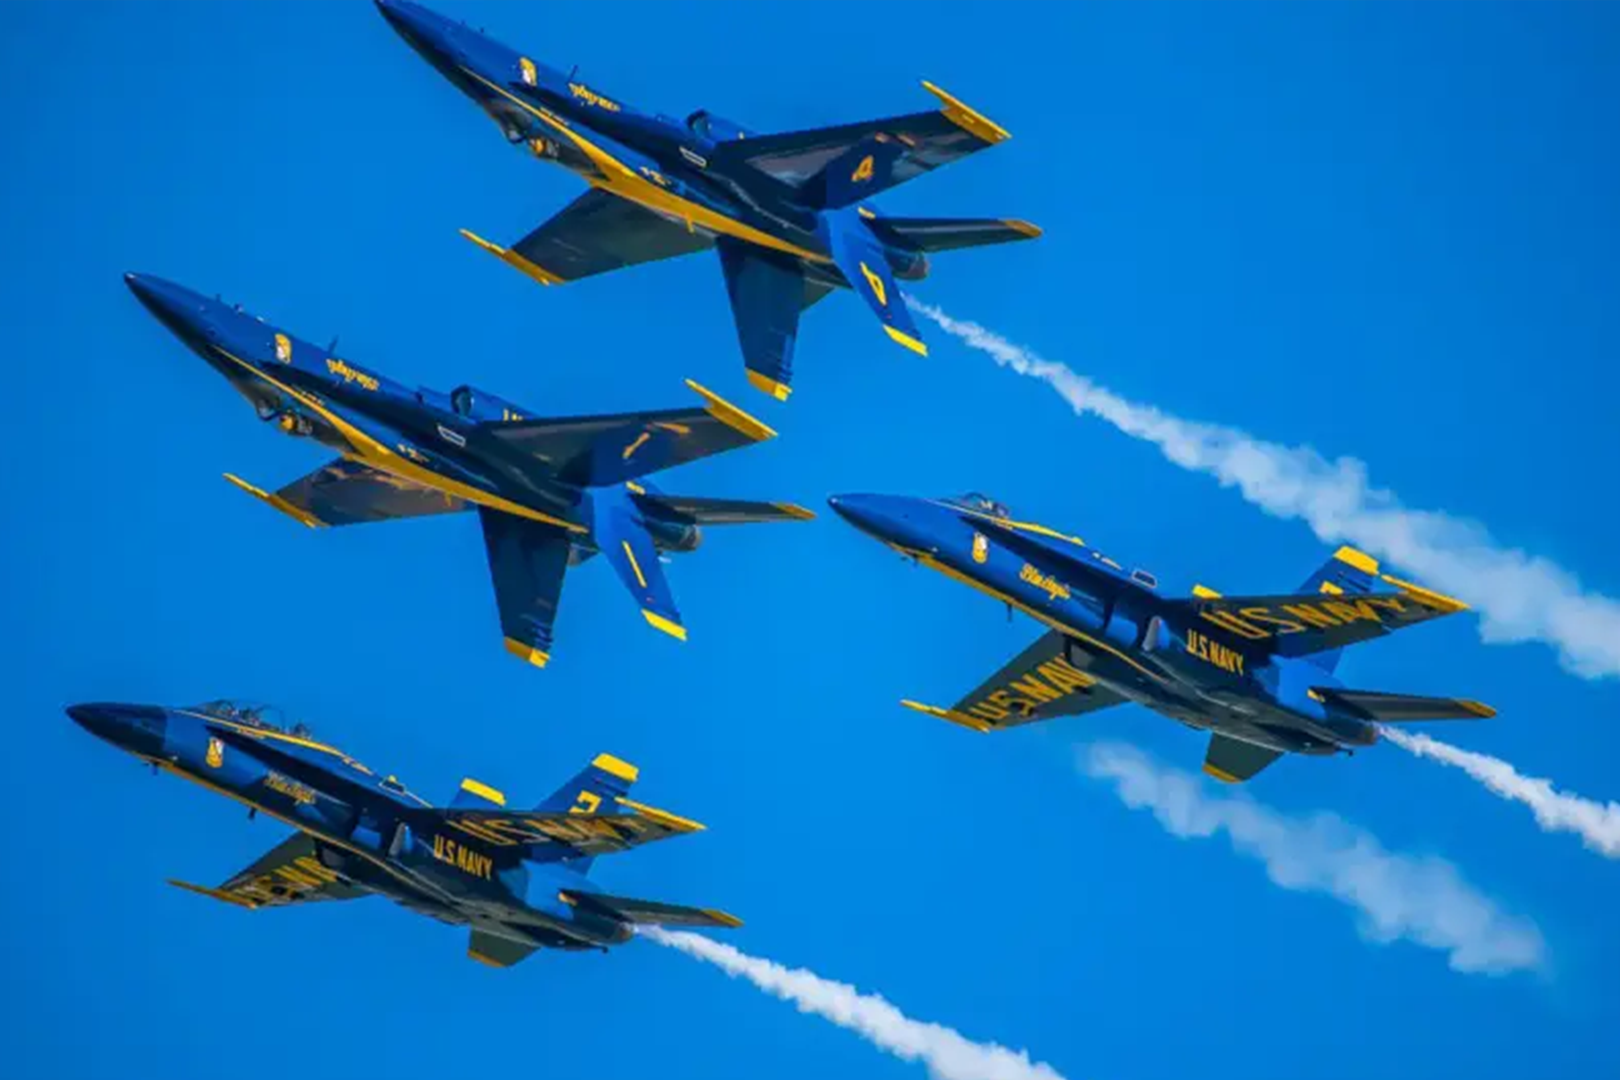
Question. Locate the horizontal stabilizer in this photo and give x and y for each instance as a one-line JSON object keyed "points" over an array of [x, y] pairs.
{"points": [[650, 912], [691, 510], [1233, 761], [1399, 708], [610, 449], [493, 950], [949, 234]]}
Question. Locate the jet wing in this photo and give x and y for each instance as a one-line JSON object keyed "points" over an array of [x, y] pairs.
{"points": [[344, 492], [289, 873], [546, 836], [650, 912], [1037, 684], [527, 562], [1307, 623], [1234, 761], [601, 450], [497, 951], [594, 234], [829, 165]]}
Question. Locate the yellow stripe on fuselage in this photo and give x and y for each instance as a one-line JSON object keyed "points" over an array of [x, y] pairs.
{"points": [[619, 179], [373, 453]]}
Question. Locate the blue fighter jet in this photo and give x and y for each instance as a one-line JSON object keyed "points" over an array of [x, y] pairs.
{"points": [[1254, 671], [549, 493], [518, 878], [791, 214]]}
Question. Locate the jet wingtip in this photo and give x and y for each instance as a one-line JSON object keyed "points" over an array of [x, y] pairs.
{"points": [[731, 416], [968, 119], [1220, 774], [526, 652], [767, 385], [972, 723], [907, 340], [663, 817], [303, 517], [668, 626], [795, 511], [723, 918]]}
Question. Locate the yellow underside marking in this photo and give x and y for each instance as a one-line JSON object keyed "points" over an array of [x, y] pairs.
{"points": [[1041, 617], [1024, 227], [971, 722], [658, 622], [663, 817], [1428, 597], [513, 259], [722, 917], [907, 340], [1358, 559], [795, 511], [636, 445], [616, 767], [779, 391], [483, 790], [634, 566], [278, 502], [1221, 774], [731, 416], [378, 456], [970, 120], [217, 894], [1204, 593], [621, 180], [524, 651], [474, 954]]}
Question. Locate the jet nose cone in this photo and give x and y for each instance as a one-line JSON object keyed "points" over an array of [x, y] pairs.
{"points": [[136, 728], [859, 510]]}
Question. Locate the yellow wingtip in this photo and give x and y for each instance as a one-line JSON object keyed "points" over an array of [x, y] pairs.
{"points": [[1221, 774], [474, 954], [304, 517], [795, 511], [907, 340], [968, 119], [616, 767], [724, 918], [524, 651], [731, 416], [1446, 605], [1478, 708], [217, 894], [972, 723], [768, 385], [513, 259], [483, 791], [658, 622], [663, 817], [1029, 229]]}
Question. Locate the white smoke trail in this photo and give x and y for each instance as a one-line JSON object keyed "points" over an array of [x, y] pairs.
{"points": [[947, 1054], [1597, 824], [1419, 899], [1520, 597]]}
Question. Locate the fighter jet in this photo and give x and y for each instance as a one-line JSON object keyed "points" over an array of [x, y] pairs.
{"points": [[519, 879], [549, 493], [790, 214], [1254, 671]]}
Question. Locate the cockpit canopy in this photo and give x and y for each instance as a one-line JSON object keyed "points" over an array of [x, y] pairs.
{"points": [[266, 717], [706, 125], [474, 404], [980, 504]]}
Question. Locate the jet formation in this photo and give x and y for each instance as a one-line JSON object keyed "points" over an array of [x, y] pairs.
{"points": [[790, 213], [1256, 672], [550, 493], [518, 879]]}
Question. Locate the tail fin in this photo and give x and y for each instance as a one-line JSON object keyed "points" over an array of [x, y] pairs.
{"points": [[622, 537], [1349, 573], [858, 254], [948, 234], [477, 795], [594, 789]]}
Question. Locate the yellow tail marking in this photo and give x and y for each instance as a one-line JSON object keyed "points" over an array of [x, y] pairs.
{"points": [[1330, 589], [524, 651], [794, 511], [1358, 559], [1022, 226], [483, 790], [722, 917], [971, 722], [616, 767], [1203, 592], [731, 416], [217, 894], [663, 817], [658, 622], [969, 120], [907, 340], [1478, 708], [513, 259], [1221, 774], [779, 391], [635, 566], [297, 514], [876, 284]]}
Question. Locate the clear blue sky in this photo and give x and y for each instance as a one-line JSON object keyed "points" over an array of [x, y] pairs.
{"points": [[1385, 230]]}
